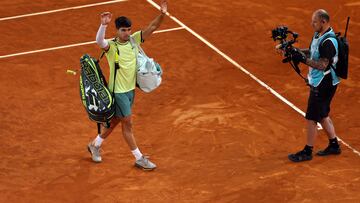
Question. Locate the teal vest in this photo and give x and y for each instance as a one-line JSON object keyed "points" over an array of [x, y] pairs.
{"points": [[315, 76]]}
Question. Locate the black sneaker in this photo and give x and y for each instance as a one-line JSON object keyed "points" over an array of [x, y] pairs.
{"points": [[329, 150], [300, 156]]}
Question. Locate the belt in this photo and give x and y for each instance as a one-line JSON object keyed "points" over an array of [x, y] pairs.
{"points": [[314, 89]]}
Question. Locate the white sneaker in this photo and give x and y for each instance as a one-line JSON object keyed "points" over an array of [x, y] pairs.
{"points": [[95, 152], [145, 164]]}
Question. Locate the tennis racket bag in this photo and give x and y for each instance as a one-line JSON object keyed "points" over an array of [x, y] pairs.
{"points": [[95, 96]]}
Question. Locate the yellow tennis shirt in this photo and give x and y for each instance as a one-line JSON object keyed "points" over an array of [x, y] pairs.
{"points": [[126, 75]]}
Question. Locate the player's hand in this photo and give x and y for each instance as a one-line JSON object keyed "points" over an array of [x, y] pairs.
{"points": [[163, 6], [105, 18]]}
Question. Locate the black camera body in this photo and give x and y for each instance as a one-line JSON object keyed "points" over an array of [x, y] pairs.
{"points": [[281, 33]]}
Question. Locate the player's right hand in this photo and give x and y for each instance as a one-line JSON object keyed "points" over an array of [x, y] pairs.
{"points": [[105, 18]]}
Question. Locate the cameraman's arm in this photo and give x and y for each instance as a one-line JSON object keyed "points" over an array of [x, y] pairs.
{"points": [[321, 64], [327, 52]]}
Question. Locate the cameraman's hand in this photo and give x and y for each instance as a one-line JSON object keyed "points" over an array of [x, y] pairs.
{"points": [[298, 56], [279, 50]]}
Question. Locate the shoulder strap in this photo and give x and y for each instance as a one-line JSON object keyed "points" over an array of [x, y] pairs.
{"points": [[116, 65], [132, 41], [134, 44], [328, 36], [101, 55], [103, 52]]}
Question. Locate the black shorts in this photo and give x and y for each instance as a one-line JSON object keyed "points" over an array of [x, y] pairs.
{"points": [[320, 99]]}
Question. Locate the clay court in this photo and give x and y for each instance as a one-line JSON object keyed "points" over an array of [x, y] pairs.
{"points": [[216, 133]]}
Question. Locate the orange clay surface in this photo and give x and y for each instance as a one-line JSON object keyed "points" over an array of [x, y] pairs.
{"points": [[215, 134]]}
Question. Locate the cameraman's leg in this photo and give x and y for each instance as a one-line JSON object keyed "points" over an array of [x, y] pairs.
{"points": [[328, 126], [328, 92], [311, 132], [333, 146], [306, 153], [311, 117]]}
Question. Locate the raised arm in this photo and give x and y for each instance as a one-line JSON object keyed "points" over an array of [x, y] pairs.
{"points": [[155, 24], [100, 36]]}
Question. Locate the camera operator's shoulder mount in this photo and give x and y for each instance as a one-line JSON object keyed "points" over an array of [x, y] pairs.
{"points": [[281, 34]]}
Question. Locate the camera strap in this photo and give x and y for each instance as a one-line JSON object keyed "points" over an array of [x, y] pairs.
{"points": [[295, 66]]}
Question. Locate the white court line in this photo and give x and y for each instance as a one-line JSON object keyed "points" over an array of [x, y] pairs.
{"points": [[168, 30], [62, 9], [243, 69], [74, 45]]}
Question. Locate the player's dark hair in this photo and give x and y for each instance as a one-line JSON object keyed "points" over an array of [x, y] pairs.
{"points": [[122, 21]]}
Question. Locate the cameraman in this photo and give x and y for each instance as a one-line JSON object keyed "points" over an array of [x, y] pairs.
{"points": [[323, 82]]}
